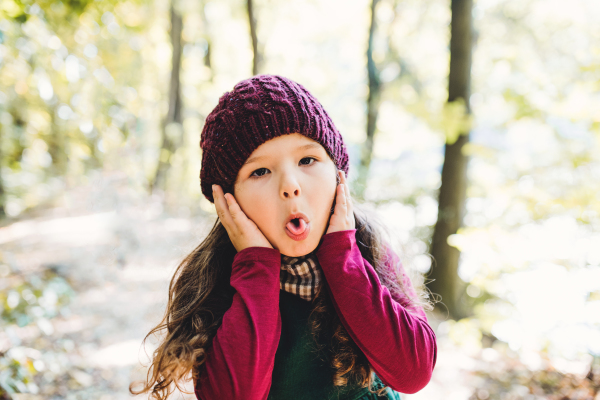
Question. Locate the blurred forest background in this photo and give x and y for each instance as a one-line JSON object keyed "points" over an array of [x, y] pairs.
{"points": [[473, 130]]}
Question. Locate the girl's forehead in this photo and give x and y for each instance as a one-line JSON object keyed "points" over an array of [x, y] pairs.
{"points": [[285, 143]]}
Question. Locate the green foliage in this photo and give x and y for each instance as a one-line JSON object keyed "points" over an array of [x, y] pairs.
{"points": [[34, 299], [65, 101], [455, 120], [524, 108], [17, 10], [18, 369], [26, 300]]}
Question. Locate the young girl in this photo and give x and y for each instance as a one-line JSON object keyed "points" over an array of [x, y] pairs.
{"points": [[294, 294]]}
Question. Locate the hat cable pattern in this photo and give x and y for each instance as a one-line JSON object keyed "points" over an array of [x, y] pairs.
{"points": [[256, 110]]}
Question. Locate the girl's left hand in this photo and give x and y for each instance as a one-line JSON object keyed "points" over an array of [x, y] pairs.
{"points": [[343, 214]]}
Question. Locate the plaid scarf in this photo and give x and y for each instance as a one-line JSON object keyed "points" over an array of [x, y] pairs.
{"points": [[301, 275]]}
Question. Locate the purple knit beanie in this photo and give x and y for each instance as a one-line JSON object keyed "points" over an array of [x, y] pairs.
{"points": [[256, 110]]}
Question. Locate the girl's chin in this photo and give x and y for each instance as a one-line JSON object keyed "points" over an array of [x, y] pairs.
{"points": [[297, 249]]}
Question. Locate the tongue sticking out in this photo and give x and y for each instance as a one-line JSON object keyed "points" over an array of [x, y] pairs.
{"points": [[296, 229]]}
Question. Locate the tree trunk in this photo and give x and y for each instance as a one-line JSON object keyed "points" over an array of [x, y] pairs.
{"points": [[257, 60], [208, 55], [373, 102], [172, 127], [452, 194]]}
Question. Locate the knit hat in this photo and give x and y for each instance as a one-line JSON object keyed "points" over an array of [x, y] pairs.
{"points": [[256, 110]]}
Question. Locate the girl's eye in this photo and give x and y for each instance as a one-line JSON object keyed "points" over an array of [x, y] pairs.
{"points": [[307, 158], [258, 176]]}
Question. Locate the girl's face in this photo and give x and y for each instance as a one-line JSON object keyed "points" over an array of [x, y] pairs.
{"points": [[286, 175]]}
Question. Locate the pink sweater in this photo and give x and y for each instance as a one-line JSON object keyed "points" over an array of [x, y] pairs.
{"points": [[400, 345]]}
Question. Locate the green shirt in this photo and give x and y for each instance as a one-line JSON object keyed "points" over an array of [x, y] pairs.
{"points": [[299, 372]]}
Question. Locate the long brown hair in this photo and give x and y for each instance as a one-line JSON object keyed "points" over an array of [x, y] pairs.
{"points": [[200, 293]]}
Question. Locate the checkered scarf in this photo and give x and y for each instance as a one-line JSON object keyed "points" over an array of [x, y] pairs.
{"points": [[301, 275]]}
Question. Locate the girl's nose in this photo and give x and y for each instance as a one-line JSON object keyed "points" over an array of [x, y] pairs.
{"points": [[291, 193], [290, 187]]}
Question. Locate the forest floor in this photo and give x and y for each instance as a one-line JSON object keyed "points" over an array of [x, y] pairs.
{"points": [[118, 250]]}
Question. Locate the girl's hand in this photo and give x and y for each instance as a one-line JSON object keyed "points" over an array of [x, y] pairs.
{"points": [[242, 231], [343, 215]]}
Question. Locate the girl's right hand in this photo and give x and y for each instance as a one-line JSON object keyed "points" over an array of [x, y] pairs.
{"points": [[242, 231]]}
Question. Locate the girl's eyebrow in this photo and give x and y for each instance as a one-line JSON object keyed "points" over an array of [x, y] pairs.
{"points": [[306, 146]]}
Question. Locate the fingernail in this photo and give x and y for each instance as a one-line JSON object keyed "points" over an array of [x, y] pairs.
{"points": [[213, 188]]}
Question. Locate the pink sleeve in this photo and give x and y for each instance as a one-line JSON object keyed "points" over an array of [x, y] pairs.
{"points": [[240, 362], [400, 345]]}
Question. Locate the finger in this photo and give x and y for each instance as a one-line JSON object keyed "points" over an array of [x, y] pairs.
{"points": [[222, 207], [349, 207], [341, 195], [343, 184], [347, 188], [343, 177], [234, 208]]}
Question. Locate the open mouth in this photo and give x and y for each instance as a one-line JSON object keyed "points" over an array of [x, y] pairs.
{"points": [[298, 228]]}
